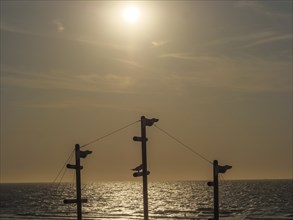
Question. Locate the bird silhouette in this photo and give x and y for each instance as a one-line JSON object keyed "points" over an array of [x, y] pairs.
{"points": [[83, 154], [138, 168], [223, 169]]}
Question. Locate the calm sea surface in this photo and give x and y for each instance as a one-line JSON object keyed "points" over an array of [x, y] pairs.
{"points": [[167, 200]]}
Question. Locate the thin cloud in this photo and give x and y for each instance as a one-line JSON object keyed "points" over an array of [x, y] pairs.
{"points": [[251, 39], [105, 83], [270, 40], [6, 28], [50, 105], [76, 103], [189, 56], [261, 8], [59, 26], [247, 4], [113, 46], [128, 62], [249, 74], [242, 38], [159, 43], [184, 56]]}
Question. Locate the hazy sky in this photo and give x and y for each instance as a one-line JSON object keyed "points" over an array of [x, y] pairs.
{"points": [[218, 75]]}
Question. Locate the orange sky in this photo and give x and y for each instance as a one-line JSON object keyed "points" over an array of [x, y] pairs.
{"points": [[218, 75]]}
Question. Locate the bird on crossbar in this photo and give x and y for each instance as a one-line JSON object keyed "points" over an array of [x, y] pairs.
{"points": [[138, 168]]}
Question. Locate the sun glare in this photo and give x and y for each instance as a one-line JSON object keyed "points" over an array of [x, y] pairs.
{"points": [[131, 14]]}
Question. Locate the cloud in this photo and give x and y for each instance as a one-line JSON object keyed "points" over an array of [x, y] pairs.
{"points": [[247, 4], [59, 26], [251, 39], [189, 56], [108, 45], [184, 56], [78, 102], [6, 28], [50, 105], [159, 43], [242, 38], [128, 62], [261, 8], [248, 74], [87, 82], [270, 39]]}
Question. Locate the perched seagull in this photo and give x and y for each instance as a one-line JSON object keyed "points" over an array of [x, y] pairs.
{"points": [[138, 168], [223, 169]]}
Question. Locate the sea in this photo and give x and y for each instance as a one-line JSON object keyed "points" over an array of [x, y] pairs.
{"points": [[239, 199]]}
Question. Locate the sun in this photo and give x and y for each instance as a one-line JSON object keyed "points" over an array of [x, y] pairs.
{"points": [[131, 14]]}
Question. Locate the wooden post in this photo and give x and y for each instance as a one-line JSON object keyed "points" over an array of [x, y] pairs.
{"points": [[144, 169], [217, 169], [78, 154], [78, 184], [216, 191], [143, 139]]}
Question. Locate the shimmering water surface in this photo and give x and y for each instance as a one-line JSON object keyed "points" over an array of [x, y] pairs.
{"points": [[167, 200]]}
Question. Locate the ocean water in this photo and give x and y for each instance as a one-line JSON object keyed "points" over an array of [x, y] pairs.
{"points": [[266, 199]]}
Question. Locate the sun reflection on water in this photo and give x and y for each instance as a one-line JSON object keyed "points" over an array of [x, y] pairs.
{"points": [[123, 200]]}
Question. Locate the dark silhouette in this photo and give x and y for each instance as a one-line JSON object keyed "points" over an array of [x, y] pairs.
{"points": [[138, 168], [78, 154], [223, 169], [143, 167], [217, 169]]}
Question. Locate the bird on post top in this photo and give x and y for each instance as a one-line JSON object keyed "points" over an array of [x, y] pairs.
{"points": [[150, 122], [83, 154]]}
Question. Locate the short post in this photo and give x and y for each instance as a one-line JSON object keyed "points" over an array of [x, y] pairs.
{"points": [[216, 191], [144, 168], [143, 139], [78, 184], [216, 170], [78, 154]]}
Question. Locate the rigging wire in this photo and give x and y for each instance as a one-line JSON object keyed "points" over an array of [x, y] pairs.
{"points": [[223, 182], [63, 167], [184, 145], [64, 171], [73, 180], [113, 132], [222, 177], [91, 142]]}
